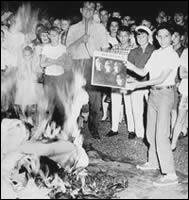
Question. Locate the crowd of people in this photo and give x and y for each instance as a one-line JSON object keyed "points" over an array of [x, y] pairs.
{"points": [[157, 72]]}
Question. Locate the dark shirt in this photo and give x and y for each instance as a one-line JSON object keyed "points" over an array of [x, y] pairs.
{"points": [[180, 51], [140, 58]]}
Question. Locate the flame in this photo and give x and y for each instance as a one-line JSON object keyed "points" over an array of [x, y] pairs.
{"points": [[73, 97], [20, 82]]}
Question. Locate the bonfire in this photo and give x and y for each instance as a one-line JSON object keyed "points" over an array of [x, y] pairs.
{"points": [[39, 158]]}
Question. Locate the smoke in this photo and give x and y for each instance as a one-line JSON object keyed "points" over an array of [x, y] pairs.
{"points": [[8, 89]]}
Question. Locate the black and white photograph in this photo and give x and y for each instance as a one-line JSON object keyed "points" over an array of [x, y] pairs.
{"points": [[94, 99]]}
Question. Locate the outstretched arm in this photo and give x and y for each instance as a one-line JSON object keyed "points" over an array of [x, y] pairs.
{"points": [[159, 80], [141, 72]]}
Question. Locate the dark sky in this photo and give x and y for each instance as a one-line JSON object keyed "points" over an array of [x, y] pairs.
{"points": [[136, 8]]}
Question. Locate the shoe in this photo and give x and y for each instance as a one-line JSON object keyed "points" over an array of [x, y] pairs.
{"points": [[146, 167], [112, 133], [182, 135], [104, 119], [166, 180], [132, 135], [95, 134]]}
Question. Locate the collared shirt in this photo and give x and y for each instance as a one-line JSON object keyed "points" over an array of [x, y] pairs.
{"points": [[180, 51], [163, 60], [98, 39], [140, 58]]}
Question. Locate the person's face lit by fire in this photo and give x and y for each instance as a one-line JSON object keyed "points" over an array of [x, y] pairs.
{"points": [[116, 14], [54, 36], [65, 25], [142, 38], [114, 26], [27, 54], [124, 37], [162, 17], [99, 6], [44, 38], [164, 38], [126, 20], [179, 18], [57, 23], [104, 16], [177, 39], [88, 10], [146, 23]]}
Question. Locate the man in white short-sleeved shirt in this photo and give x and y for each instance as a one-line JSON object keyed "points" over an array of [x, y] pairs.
{"points": [[162, 67]]}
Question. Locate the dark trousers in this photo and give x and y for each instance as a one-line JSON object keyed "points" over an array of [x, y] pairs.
{"points": [[85, 67]]}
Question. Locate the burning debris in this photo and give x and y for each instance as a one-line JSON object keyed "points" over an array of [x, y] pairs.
{"points": [[40, 158]]}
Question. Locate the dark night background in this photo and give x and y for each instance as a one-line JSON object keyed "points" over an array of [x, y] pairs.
{"points": [[134, 8]]}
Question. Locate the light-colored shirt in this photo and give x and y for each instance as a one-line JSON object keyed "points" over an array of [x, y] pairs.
{"points": [[163, 60], [98, 39], [54, 53], [112, 40], [183, 87]]}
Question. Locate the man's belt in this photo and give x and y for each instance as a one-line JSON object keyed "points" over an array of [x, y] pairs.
{"points": [[163, 87]]}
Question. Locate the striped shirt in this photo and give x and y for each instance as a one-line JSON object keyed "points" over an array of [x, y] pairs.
{"points": [[119, 49]]}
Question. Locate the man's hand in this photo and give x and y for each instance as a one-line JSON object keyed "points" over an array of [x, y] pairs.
{"points": [[129, 87], [85, 38]]}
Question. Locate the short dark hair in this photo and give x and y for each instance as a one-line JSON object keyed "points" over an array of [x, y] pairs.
{"points": [[124, 29], [179, 11], [179, 29], [116, 10], [55, 29], [166, 26], [104, 9], [90, 2]]}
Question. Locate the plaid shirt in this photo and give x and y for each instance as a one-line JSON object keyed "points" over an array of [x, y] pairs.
{"points": [[118, 49]]}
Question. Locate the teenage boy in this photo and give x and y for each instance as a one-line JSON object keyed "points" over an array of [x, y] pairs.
{"points": [[139, 57], [122, 48], [162, 67]]}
